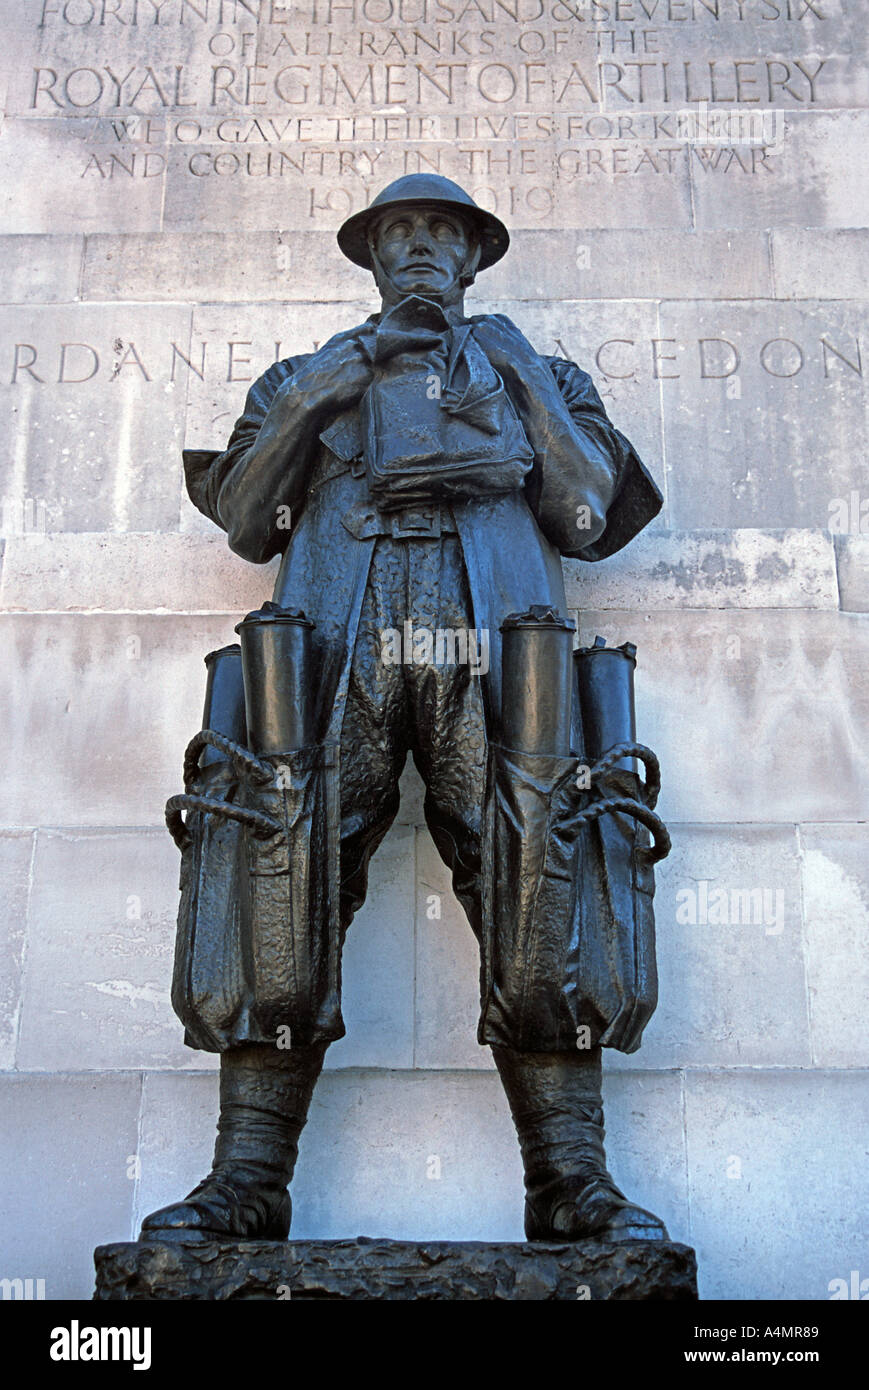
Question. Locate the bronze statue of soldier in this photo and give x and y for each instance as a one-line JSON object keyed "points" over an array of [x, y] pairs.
{"points": [[421, 473]]}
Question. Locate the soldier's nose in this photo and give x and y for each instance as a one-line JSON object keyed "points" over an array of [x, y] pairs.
{"points": [[421, 240]]}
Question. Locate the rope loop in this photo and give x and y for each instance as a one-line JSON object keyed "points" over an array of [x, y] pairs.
{"points": [[641, 810], [629, 807], [244, 762], [260, 823], [650, 790]]}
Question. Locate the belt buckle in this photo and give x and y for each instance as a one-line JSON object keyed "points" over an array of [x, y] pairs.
{"points": [[418, 522]]}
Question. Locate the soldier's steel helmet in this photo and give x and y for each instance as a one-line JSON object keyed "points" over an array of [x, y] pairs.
{"points": [[424, 190]]}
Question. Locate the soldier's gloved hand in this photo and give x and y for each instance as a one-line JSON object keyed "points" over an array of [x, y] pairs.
{"points": [[336, 376], [508, 350]]}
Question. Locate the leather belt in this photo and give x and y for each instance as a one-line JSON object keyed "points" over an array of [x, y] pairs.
{"points": [[423, 521], [426, 522]]}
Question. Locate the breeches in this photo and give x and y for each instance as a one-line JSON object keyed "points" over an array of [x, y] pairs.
{"points": [[415, 686], [560, 903]]}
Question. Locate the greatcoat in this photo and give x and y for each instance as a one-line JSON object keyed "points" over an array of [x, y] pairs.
{"points": [[511, 544], [584, 950]]}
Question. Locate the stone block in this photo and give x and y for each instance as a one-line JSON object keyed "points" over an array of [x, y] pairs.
{"points": [[835, 871], [631, 263], [732, 991], [817, 263], [100, 950], [381, 1270], [102, 708], [812, 176], [93, 572], [763, 411], [410, 1156], [852, 565], [176, 1137], [778, 1166], [143, 72], [499, 128], [16, 861], [645, 1142], [68, 1152], [752, 714], [733, 63], [227, 265], [378, 964], [712, 569], [99, 974], [732, 983], [97, 421], [79, 178], [41, 269], [447, 971]]}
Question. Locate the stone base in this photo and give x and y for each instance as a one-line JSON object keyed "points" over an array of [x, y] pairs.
{"points": [[392, 1269]]}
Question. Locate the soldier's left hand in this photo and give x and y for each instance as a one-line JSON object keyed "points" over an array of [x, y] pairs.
{"points": [[507, 348]]}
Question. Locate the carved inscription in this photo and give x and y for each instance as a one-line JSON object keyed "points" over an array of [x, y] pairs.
{"points": [[828, 355], [523, 101]]}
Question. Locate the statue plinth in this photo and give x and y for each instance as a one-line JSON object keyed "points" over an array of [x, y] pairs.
{"points": [[381, 1269]]}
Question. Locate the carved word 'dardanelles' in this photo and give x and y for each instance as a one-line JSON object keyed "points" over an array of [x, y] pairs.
{"points": [[830, 357]]}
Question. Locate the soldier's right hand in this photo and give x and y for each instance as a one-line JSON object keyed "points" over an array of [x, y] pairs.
{"points": [[337, 375]]}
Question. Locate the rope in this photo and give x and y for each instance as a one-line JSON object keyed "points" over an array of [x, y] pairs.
{"points": [[242, 759], [652, 787], [261, 772], [177, 827], [629, 807]]}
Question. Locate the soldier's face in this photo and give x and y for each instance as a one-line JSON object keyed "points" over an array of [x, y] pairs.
{"points": [[422, 249]]}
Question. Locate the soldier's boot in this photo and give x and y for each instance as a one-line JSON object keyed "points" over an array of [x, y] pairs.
{"points": [[264, 1098], [555, 1100]]}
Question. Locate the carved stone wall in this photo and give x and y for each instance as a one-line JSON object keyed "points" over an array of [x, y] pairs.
{"points": [[685, 182]]}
